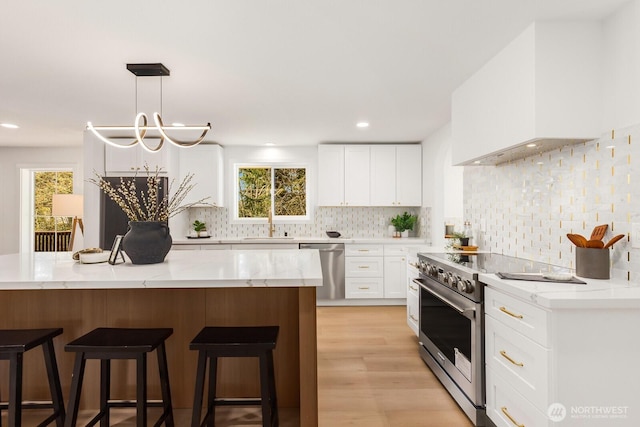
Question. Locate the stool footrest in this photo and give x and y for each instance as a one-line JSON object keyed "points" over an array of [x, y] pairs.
{"points": [[30, 405], [222, 401], [132, 403]]}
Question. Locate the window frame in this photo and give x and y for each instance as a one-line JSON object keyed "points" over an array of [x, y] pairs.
{"points": [[279, 219]]}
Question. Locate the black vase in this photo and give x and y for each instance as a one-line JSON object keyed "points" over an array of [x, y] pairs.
{"points": [[147, 242]]}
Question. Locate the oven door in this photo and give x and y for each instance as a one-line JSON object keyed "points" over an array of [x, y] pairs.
{"points": [[451, 332]]}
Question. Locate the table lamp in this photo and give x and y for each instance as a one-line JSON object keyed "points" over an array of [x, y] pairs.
{"points": [[69, 205]]}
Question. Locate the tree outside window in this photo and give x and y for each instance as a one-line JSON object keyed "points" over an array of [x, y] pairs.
{"points": [[263, 189]]}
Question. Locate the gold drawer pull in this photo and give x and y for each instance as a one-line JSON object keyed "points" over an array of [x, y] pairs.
{"points": [[413, 317], [504, 310], [412, 288], [363, 250], [506, 356], [515, 423], [363, 266], [363, 287]]}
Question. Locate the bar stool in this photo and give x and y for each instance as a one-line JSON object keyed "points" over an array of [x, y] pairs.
{"points": [[13, 344], [107, 344], [215, 342]]}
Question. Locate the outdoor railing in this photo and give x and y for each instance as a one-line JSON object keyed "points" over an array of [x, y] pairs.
{"points": [[52, 241]]}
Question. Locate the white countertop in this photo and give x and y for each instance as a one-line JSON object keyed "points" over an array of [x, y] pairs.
{"points": [[181, 269], [278, 239], [595, 294]]}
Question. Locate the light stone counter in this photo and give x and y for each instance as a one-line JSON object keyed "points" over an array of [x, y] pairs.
{"points": [[181, 269], [597, 294], [297, 239]]}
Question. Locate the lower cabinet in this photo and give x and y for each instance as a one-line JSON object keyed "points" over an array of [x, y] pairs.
{"points": [[566, 366], [209, 247], [413, 294], [364, 271]]}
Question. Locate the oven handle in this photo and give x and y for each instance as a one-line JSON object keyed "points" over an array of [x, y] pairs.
{"points": [[466, 312]]}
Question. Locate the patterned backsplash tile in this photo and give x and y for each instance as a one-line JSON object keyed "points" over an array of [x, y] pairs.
{"points": [[530, 205], [363, 222]]}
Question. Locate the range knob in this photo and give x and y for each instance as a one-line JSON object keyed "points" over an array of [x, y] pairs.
{"points": [[465, 286]]}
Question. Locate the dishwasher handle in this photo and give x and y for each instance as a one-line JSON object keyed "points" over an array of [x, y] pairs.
{"points": [[333, 248]]}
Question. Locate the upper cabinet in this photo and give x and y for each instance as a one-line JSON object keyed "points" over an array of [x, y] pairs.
{"points": [[369, 175], [396, 175], [343, 175], [544, 87], [205, 162], [129, 161]]}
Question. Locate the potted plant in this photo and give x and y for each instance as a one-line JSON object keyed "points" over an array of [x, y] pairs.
{"points": [[403, 223], [461, 237], [200, 228]]}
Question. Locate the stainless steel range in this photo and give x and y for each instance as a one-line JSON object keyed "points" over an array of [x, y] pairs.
{"points": [[451, 333]]}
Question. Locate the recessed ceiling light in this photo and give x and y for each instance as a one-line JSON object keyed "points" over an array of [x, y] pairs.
{"points": [[362, 124], [9, 125], [531, 145]]}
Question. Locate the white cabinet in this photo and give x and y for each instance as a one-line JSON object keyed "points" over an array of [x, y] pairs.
{"points": [[545, 85], [129, 161], [343, 175], [571, 360], [396, 175], [413, 296], [364, 271], [395, 276], [205, 162], [204, 247]]}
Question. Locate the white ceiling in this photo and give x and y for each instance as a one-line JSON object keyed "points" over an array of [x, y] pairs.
{"points": [[292, 72]]}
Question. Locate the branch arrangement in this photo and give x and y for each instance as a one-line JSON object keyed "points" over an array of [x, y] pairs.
{"points": [[145, 205]]}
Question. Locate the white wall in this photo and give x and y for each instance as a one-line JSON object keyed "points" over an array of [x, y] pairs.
{"points": [[442, 184], [11, 161]]}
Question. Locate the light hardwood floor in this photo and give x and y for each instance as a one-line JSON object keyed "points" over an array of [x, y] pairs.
{"points": [[369, 375]]}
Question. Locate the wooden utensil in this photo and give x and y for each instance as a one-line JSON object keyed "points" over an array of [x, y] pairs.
{"points": [[613, 240], [597, 244], [598, 232], [577, 240]]}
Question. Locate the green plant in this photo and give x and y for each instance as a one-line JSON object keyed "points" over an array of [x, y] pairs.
{"points": [[199, 226], [459, 235], [404, 222]]}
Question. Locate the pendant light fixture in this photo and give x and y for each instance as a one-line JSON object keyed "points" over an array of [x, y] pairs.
{"points": [[141, 127]]}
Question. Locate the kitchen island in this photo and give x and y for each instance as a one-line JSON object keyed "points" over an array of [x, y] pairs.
{"points": [[189, 290]]}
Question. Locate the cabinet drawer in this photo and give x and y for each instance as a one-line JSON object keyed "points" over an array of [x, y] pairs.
{"points": [[522, 362], [363, 250], [529, 320], [363, 288], [507, 408], [363, 266]]}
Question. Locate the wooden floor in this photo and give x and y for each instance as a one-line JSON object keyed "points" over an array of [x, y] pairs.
{"points": [[369, 375]]}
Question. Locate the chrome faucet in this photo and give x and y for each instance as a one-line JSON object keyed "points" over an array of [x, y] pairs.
{"points": [[271, 226]]}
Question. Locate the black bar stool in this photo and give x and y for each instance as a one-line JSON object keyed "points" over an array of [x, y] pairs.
{"points": [[215, 342], [107, 344], [13, 344]]}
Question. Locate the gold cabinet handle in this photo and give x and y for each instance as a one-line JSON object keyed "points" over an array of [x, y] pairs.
{"points": [[363, 250], [510, 313], [506, 356], [412, 288], [363, 266], [363, 287], [413, 318], [508, 415]]}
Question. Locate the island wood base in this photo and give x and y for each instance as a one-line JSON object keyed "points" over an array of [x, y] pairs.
{"points": [[186, 311]]}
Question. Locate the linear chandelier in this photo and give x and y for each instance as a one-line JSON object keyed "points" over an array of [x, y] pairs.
{"points": [[141, 123]]}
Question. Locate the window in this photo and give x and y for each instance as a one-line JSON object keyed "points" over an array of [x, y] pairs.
{"points": [[279, 190], [50, 233]]}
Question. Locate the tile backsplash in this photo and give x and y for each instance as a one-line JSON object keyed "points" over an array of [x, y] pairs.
{"points": [[363, 222], [525, 208]]}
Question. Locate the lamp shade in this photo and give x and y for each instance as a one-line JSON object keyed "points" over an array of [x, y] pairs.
{"points": [[67, 205]]}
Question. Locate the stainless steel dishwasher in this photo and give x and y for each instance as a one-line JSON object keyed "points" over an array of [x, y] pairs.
{"points": [[332, 262]]}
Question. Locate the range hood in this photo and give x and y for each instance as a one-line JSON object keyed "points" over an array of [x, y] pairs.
{"points": [[530, 148]]}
